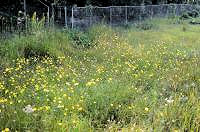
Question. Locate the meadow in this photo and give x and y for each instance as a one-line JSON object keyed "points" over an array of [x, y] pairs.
{"points": [[143, 77]]}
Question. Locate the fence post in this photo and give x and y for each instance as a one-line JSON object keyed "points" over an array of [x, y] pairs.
{"points": [[126, 15], [91, 15], [25, 15], [10, 25], [60, 13], [53, 15], [65, 16], [3, 25], [48, 15], [110, 16], [142, 12], [72, 17]]}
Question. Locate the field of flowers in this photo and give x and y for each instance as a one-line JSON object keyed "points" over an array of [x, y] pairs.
{"points": [[120, 80]]}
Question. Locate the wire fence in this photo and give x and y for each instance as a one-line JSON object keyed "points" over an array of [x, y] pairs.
{"points": [[61, 15], [7, 23], [20, 25], [83, 17]]}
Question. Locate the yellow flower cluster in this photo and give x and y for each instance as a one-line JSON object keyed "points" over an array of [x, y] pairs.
{"points": [[90, 83], [6, 130]]}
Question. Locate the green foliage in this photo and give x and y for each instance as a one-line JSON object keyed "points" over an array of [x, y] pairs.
{"points": [[190, 14], [104, 105], [195, 21], [40, 44], [35, 24], [81, 39]]}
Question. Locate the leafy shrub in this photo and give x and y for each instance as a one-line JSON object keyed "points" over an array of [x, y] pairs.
{"points": [[190, 14], [80, 39], [193, 13], [185, 16], [195, 21]]}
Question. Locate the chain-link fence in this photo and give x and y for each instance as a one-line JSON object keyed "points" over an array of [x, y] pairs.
{"points": [[83, 17], [7, 23], [60, 15], [121, 15]]}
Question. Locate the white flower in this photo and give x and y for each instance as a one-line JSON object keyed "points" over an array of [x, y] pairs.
{"points": [[169, 100], [146, 109], [28, 109], [193, 84]]}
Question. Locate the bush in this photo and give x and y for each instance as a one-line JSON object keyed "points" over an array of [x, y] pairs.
{"points": [[190, 14], [80, 39], [185, 16], [195, 22]]}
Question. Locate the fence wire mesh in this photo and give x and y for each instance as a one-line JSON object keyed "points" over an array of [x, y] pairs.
{"points": [[83, 17]]}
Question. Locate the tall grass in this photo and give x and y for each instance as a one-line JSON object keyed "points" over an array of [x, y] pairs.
{"points": [[106, 79]]}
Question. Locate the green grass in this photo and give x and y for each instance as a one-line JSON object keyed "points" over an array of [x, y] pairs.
{"points": [[106, 79]]}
